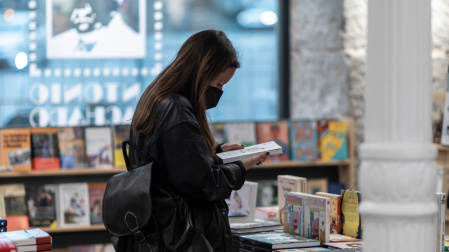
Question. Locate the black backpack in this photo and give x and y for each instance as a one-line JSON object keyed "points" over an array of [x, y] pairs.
{"points": [[127, 206]]}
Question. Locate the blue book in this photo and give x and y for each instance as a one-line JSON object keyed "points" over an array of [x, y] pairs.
{"points": [[3, 229], [3, 222], [303, 139]]}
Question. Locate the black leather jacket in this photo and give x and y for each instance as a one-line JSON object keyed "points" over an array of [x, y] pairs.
{"points": [[188, 185]]}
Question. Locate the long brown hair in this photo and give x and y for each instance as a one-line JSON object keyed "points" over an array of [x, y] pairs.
{"points": [[200, 60]]}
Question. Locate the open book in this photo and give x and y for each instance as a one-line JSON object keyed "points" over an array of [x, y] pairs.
{"points": [[235, 155]]}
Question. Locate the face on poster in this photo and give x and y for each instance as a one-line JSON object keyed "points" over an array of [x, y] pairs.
{"points": [[83, 29]]}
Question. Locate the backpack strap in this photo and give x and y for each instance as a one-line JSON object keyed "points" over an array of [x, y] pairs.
{"points": [[141, 155]]}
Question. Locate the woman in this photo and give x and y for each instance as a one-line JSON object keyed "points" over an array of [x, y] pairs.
{"points": [[189, 182]]}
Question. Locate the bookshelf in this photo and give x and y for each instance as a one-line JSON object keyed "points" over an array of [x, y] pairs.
{"points": [[342, 171]]}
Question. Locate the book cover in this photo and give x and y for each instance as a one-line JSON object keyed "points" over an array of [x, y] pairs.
{"points": [[335, 211], [277, 240], [267, 193], [316, 185], [438, 100], [120, 133], [277, 132], [344, 245], [28, 237], [6, 245], [241, 133], [445, 125], [342, 238], [351, 220], [289, 183], [322, 130], [293, 214], [334, 142], [446, 189], [249, 151], [316, 217], [13, 204], [440, 221], [44, 149], [73, 205], [252, 227], [304, 141], [268, 213], [243, 201], [3, 229], [217, 130], [3, 222], [41, 204], [98, 147], [72, 149], [96, 193], [15, 150]]}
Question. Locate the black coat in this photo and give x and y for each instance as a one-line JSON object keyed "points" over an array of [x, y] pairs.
{"points": [[188, 186]]}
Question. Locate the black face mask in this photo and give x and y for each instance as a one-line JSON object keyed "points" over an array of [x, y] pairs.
{"points": [[213, 95]]}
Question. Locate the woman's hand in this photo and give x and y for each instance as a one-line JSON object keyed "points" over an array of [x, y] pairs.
{"points": [[231, 146], [255, 160]]}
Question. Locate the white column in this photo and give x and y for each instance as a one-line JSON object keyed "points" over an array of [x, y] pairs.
{"points": [[397, 175]]}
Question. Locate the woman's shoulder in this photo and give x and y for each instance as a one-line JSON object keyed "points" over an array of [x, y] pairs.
{"points": [[175, 108]]}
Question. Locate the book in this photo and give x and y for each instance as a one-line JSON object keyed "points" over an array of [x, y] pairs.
{"points": [[96, 193], [41, 204], [267, 193], [120, 133], [438, 100], [241, 133], [72, 205], [3, 229], [243, 201], [445, 124], [72, 149], [446, 188], [289, 183], [236, 155], [322, 130], [440, 221], [335, 187], [351, 220], [307, 215], [44, 149], [217, 130], [13, 206], [6, 245], [334, 142], [304, 141], [35, 247], [252, 227], [15, 150], [28, 237], [335, 211], [277, 132], [277, 240], [316, 185], [342, 238], [303, 249], [238, 218], [344, 245], [98, 147], [268, 213], [3, 222]]}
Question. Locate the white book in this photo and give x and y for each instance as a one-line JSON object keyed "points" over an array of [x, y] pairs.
{"points": [[236, 155], [73, 205], [243, 202]]}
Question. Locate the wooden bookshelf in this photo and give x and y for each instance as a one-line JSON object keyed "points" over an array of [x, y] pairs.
{"points": [[76, 172], [99, 227]]}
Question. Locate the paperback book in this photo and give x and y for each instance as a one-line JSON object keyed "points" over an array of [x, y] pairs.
{"points": [[28, 237], [277, 132], [344, 245], [72, 205], [335, 211], [44, 149], [98, 147], [267, 194], [15, 150], [241, 133], [96, 192], [252, 227], [72, 150], [268, 213], [351, 220], [13, 206], [120, 133], [317, 185], [277, 240], [304, 141], [243, 201], [41, 204], [334, 142], [289, 183], [236, 155]]}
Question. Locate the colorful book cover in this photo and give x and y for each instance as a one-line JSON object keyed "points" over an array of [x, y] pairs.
{"points": [[96, 192], [277, 240], [243, 201], [316, 185], [13, 206], [98, 147], [274, 131], [267, 193], [120, 133], [293, 214], [45, 149], [304, 141], [344, 245], [73, 205], [351, 220], [289, 183], [335, 211], [217, 130], [72, 149], [241, 133], [316, 217], [41, 204], [15, 150], [334, 142]]}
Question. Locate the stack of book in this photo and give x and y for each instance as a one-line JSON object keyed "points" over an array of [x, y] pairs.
{"points": [[270, 241], [28, 240], [253, 227]]}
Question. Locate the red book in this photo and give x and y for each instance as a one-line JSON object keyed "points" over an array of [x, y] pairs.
{"points": [[34, 248], [6, 245], [28, 237]]}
